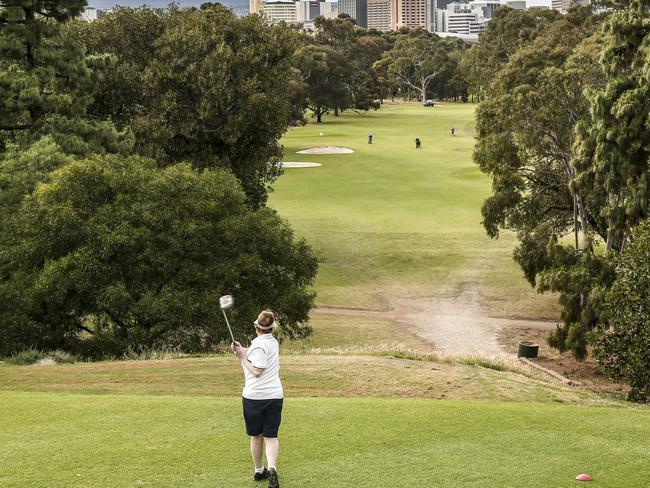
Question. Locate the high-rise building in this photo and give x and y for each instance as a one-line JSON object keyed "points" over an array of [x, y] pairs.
{"points": [[357, 9], [463, 19], [436, 18], [408, 13], [516, 4], [379, 14], [303, 11], [486, 7], [561, 5], [564, 5], [329, 10], [308, 10], [91, 13], [255, 6], [280, 10]]}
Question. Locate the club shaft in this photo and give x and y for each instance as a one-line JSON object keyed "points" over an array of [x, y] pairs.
{"points": [[228, 324]]}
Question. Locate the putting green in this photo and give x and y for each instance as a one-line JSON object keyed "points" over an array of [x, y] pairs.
{"points": [[390, 219]]}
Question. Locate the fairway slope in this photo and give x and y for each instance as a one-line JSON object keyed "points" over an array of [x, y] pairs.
{"points": [[398, 229], [336, 372]]}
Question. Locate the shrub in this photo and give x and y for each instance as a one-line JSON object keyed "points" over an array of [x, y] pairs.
{"points": [[622, 343], [115, 253], [28, 356]]}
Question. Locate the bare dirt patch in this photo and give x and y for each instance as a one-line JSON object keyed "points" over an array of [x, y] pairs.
{"points": [[327, 150], [453, 325], [299, 164]]}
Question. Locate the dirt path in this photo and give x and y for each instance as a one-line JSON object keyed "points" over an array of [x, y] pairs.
{"points": [[454, 325]]}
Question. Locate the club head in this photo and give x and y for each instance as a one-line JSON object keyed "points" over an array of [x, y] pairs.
{"points": [[226, 301]]}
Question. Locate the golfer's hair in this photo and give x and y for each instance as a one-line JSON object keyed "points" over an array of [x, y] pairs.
{"points": [[265, 318]]}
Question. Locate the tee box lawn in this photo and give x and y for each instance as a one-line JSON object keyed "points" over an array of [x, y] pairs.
{"points": [[96, 441]]}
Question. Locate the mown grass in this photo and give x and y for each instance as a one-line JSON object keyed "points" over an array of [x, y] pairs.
{"points": [[393, 220], [66, 440], [332, 330], [364, 371]]}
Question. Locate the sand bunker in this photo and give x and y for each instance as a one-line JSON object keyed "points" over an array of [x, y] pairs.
{"points": [[327, 150], [290, 164]]}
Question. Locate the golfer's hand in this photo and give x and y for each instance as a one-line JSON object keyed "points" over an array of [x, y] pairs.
{"points": [[237, 349]]}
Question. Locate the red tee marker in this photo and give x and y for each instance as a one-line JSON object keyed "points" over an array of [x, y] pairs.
{"points": [[584, 477]]}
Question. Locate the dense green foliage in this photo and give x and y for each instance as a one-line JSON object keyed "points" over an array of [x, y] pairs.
{"points": [[138, 257], [199, 85], [614, 147], [562, 131], [622, 345], [45, 78], [612, 161], [525, 126], [100, 250]]}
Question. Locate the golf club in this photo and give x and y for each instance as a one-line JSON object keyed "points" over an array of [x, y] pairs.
{"points": [[225, 302]]}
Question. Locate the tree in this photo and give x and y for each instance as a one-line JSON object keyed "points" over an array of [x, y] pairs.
{"points": [[621, 344], [360, 51], [509, 30], [129, 35], [326, 74], [416, 61], [201, 85], [113, 252], [45, 78], [452, 82], [614, 146], [338, 33], [525, 132]]}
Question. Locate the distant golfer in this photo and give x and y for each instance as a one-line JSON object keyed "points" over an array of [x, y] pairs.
{"points": [[418, 144], [369, 138], [263, 396], [453, 132]]}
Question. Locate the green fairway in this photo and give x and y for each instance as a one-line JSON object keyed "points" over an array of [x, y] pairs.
{"points": [[390, 219], [62, 440]]}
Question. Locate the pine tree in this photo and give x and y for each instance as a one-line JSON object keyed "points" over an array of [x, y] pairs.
{"points": [[612, 155], [46, 79]]}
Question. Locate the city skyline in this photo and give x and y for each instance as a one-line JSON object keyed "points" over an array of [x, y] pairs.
{"points": [[108, 4]]}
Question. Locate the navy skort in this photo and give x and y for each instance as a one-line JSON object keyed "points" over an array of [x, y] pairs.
{"points": [[262, 416]]}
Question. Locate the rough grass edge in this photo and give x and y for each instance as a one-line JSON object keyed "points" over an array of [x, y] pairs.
{"points": [[497, 362], [34, 356]]}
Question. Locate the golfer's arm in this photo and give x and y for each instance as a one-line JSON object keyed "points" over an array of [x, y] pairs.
{"points": [[249, 366]]}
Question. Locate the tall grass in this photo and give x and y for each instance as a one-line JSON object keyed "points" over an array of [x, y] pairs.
{"points": [[32, 356]]}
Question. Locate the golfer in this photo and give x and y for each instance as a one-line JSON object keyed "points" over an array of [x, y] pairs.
{"points": [[263, 396]]}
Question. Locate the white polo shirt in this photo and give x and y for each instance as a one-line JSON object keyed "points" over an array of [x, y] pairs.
{"points": [[263, 353]]}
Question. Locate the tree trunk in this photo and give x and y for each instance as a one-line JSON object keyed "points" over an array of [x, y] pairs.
{"points": [[318, 116], [336, 112], [575, 220]]}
